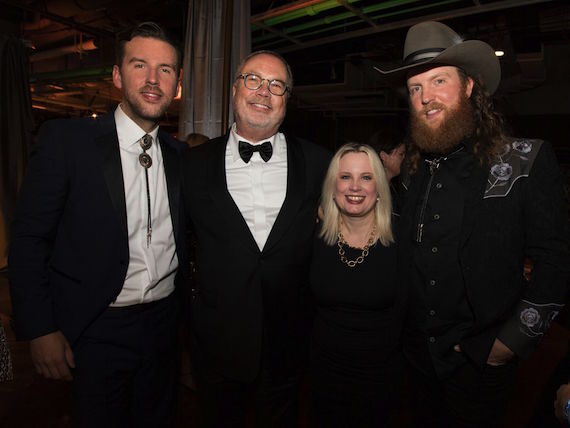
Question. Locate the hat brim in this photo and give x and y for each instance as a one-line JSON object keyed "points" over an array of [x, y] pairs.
{"points": [[475, 57]]}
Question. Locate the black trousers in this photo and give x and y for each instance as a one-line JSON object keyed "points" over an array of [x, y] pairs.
{"points": [[334, 408], [272, 400], [472, 397], [127, 367]]}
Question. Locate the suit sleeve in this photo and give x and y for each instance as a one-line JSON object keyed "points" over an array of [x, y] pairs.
{"points": [[40, 206], [546, 229]]}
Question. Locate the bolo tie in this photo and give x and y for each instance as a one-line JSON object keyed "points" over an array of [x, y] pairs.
{"points": [[146, 161]]}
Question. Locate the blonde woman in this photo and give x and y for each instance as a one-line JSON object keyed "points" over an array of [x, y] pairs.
{"points": [[354, 353]]}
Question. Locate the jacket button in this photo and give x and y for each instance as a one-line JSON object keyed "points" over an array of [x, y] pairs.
{"points": [[434, 249], [432, 339], [432, 282], [436, 216], [438, 186]]}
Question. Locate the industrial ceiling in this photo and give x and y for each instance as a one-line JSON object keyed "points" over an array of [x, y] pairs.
{"points": [[331, 45]]}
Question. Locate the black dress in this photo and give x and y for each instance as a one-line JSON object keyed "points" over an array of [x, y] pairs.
{"points": [[355, 359]]}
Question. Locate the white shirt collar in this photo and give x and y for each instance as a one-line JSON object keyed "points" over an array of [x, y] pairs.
{"points": [[128, 131], [277, 142]]}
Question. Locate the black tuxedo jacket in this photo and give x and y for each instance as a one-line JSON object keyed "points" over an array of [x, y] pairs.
{"points": [[241, 291], [69, 248]]}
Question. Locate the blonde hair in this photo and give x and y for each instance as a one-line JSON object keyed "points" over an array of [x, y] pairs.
{"points": [[382, 209]]}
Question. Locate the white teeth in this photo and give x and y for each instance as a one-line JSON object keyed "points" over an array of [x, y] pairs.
{"points": [[355, 198], [432, 112]]}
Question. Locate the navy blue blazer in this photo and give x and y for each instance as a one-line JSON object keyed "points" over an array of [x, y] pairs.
{"points": [[69, 249]]}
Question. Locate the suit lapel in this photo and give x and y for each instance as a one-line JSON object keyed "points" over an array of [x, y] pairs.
{"points": [[171, 161], [108, 144], [296, 177], [221, 195]]}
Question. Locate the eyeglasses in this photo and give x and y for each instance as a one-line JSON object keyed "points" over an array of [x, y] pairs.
{"points": [[254, 82]]}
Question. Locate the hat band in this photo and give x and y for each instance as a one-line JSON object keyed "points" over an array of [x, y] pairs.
{"points": [[422, 55]]}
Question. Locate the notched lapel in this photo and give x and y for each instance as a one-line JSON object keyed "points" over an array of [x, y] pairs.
{"points": [[296, 179], [171, 160], [108, 145]]}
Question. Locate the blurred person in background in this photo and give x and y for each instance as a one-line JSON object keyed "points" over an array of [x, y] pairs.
{"points": [[390, 146]]}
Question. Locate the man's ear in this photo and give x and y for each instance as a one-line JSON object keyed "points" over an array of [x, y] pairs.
{"points": [[469, 87], [234, 90], [179, 81], [117, 81]]}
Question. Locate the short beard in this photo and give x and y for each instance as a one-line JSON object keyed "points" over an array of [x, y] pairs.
{"points": [[456, 127]]}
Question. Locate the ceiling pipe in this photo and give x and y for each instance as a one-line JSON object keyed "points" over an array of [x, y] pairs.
{"points": [[89, 45], [71, 104], [69, 22], [279, 33], [309, 10], [345, 25], [81, 75], [278, 11], [357, 12], [405, 23], [328, 20]]}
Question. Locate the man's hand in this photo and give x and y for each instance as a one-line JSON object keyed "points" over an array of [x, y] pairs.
{"points": [[500, 353], [52, 356], [562, 396]]}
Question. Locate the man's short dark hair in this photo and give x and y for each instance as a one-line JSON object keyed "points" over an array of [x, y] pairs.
{"points": [[150, 30]]}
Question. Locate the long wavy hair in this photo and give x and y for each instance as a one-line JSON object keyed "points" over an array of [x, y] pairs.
{"points": [[490, 135], [382, 209]]}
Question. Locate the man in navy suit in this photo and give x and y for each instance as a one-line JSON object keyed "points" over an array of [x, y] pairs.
{"points": [[97, 254], [252, 197]]}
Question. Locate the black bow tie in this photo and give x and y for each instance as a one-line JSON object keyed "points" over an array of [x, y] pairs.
{"points": [[246, 150]]}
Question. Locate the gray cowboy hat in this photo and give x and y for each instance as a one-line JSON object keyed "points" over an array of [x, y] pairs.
{"points": [[434, 43]]}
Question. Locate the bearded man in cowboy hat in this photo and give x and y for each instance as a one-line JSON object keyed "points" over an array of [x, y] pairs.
{"points": [[478, 203]]}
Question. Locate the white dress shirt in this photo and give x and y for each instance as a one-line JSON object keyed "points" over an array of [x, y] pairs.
{"points": [[151, 271], [258, 188]]}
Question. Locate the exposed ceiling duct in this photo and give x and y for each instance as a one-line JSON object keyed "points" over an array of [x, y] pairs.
{"points": [[331, 44], [78, 48]]}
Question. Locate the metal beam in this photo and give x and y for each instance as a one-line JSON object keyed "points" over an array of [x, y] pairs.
{"points": [[77, 75], [60, 19], [357, 12], [76, 104], [278, 11], [279, 33], [440, 16], [302, 10]]}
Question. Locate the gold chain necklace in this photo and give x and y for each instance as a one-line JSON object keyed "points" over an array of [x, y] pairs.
{"points": [[352, 263]]}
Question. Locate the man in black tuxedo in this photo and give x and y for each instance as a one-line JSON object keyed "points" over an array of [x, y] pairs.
{"points": [[97, 244], [252, 197]]}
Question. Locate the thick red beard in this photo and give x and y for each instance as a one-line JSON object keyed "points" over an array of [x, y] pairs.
{"points": [[458, 124]]}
